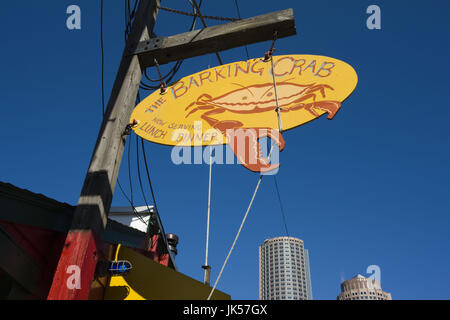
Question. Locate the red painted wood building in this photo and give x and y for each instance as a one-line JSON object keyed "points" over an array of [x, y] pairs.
{"points": [[33, 229]]}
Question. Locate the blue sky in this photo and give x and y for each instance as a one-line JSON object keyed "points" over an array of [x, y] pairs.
{"points": [[369, 187]]}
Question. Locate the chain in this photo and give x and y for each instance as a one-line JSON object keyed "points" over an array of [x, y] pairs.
{"points": [[194, 15]]}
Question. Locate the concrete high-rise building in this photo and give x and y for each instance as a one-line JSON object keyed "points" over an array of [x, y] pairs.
{"points": [[362, 288], [284, 270]]}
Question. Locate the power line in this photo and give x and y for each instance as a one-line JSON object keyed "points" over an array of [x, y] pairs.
{"points": [[135, 212], [103, 113], [148, 174], [239, 16], [153, 193], [139, 173], [126, 17], [171, 74], [163, 77], [129, 15], [129, 172], [281, 205], [168, 77], [103, 57], [197, 12]]}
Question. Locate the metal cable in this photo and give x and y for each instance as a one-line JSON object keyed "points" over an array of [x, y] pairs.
{"points": [[148, 174], [280, 124], [129, 172], [139, 175], [162, 232], [103, 113], [239, 16], [281, 205], [103, 57], [136, 213], [171, 74], [199, 15], [197, 11], [129, 15]]}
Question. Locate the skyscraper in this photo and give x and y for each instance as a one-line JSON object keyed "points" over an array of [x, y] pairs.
{"points": [[284, 270], [362, 288]]}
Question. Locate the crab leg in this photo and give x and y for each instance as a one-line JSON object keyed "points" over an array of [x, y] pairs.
{"points": [[202, 103], [199, 108], [211, 121], [321, 88], [300, 105]]}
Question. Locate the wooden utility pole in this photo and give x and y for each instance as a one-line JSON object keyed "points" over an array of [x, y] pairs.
{"points": [[78, 260], [76, 267]]}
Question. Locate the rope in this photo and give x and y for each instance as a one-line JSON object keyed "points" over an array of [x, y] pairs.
{"points": [[268, 55], [207, 268], [209, 206], [209, 210], [197, 15], [280, 125], [237, 236]]}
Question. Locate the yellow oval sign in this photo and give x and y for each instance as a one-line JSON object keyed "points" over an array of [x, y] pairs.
{"points": [[198, 109]]}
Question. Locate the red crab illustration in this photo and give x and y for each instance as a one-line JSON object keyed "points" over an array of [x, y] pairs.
{"points": [[256, 99]]}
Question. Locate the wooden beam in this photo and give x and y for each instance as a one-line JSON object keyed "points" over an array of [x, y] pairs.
{"points": [[216, 38], [90, 216]]}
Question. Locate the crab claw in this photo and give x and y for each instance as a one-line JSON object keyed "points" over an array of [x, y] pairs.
{"points": [[331, 107], [275, 135], [245, 145]]}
